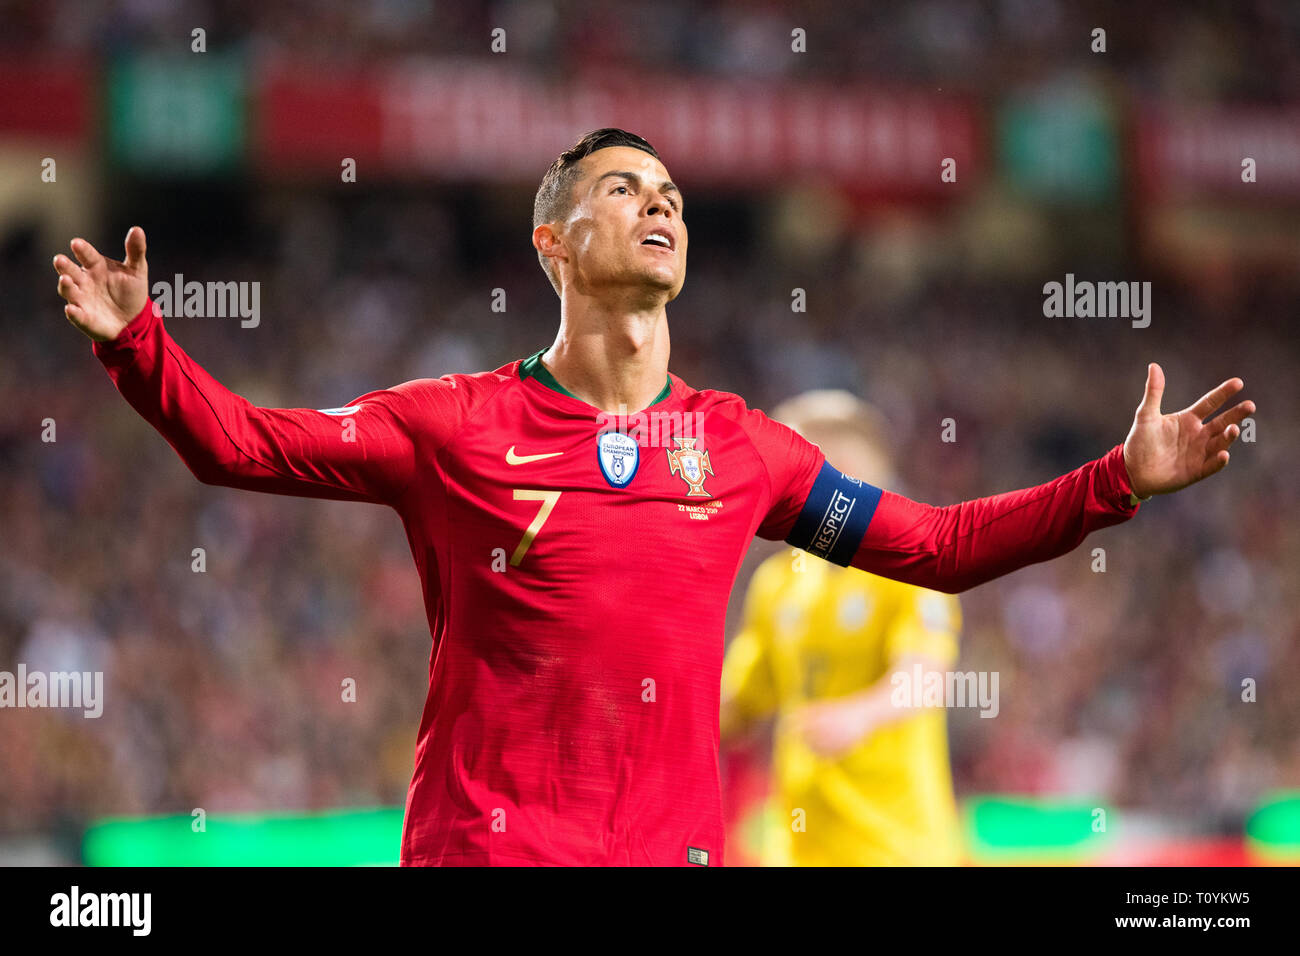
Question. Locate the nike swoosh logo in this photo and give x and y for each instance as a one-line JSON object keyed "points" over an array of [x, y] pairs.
{"points": [[513, 459]]}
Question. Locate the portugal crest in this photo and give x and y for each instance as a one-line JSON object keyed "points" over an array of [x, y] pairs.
{"points": [[692, 464], [619, 457]]}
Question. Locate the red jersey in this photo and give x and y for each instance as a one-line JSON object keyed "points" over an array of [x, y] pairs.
{"points": [[576, 568]]}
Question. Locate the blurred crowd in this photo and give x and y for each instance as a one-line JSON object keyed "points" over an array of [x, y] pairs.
{"points": [[224, 687], [1197, 48]]}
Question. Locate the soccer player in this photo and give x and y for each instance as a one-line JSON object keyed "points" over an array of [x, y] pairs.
{"points": [[576, 573], [857, 781]]}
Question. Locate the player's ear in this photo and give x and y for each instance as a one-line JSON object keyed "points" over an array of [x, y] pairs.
{"points": [[547, 241]]}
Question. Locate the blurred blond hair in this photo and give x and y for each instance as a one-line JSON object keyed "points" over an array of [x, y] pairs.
{"points": [[836, 410]]}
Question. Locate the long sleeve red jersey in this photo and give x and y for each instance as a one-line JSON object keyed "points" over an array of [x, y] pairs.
{"points": [[575, 569]]}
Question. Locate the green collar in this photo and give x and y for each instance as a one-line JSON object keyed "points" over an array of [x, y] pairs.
{"points": [[532, 367]]}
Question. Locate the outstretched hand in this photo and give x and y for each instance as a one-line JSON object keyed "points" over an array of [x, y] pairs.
{"points": [[1165, 453], [104, 294]]}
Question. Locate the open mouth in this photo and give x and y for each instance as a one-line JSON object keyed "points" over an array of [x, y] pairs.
{"points": [[659, 240]]}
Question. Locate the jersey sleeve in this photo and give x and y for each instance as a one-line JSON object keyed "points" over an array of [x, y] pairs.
{"points": [[959, 546], [850, 522], [364, 451], [927, 624], [791, 464]]}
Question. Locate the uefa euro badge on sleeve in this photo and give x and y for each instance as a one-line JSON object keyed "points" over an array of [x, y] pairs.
{"points": [[619, 457], [692, 464]]}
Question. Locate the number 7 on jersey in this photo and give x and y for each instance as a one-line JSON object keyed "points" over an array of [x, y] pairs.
{"points": [[548, 500]]}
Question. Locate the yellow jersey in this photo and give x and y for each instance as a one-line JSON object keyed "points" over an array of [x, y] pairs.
{"points": [[814, 631]]}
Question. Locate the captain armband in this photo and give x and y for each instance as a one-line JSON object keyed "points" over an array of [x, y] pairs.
{"points": [[834, 519]]}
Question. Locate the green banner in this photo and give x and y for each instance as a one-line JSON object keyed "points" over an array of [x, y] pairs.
{"points": [[1273, 830], [178, 115], [369, 837], [1060, 144], [1002, 829]]}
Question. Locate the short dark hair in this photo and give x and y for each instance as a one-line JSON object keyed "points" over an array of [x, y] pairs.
{"points": [[554, 200]]}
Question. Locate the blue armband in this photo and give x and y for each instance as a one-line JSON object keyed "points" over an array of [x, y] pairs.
{"points": [[834, 519]]}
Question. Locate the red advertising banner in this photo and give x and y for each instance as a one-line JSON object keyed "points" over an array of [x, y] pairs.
{"points": [[47, 101], [476, 120], [1188, 153]]}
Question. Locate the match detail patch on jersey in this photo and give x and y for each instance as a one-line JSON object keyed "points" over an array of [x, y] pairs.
{"points": [[697, 856], [619, 458], [834, 519]]}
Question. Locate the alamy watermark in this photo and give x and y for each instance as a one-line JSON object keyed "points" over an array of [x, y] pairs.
{"points": [[129, 910], [652, 429], [922, 687], [210, 300], [1099, 300], [74, 689]]}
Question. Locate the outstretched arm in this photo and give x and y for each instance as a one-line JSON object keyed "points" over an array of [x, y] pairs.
{"points": [[960, 546], [362, 452]]}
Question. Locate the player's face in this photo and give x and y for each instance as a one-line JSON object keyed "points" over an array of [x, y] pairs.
{"points": [[623, 196]]}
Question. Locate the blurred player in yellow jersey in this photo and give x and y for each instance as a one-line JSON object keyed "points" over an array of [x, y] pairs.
{"points": [[857, 781]]}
